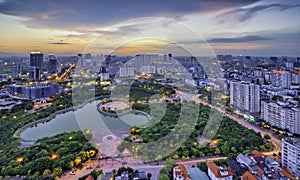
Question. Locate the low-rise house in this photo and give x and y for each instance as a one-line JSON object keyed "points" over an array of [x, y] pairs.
{"points": [[248, 176], [197, 174], [236, 168], [219, 172], [181, 173]]}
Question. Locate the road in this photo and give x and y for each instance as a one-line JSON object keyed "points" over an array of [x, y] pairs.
{"points": [[109, 165], [277, 142]]}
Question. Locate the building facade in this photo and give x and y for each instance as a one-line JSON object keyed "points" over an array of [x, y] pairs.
{"points": [[52, 64], [290, 155], [281, 78], [33, 91], [219, 172], [282, 115], [245, 97], [35, 65], [126, 71]]}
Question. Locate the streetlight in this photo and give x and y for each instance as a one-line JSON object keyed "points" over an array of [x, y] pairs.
{"points": [[19, 159], [54, 156]]}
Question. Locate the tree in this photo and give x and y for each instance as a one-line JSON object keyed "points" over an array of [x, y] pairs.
{"points": [[149, 175], [225, 149], [233, 149], [57, 171], [164, 177], [42, 163], [217, 151], [46, 172], [267, 136], [169, 164]]}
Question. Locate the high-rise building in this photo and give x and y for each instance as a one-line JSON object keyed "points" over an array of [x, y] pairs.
{"points": [[245, 97], [290, 155], [52, 64], [80, 62], [289, 65], [282, 115], [296, 78], [148, 69], [126, 71], [35, 65], [20, 68], [281, 79]]}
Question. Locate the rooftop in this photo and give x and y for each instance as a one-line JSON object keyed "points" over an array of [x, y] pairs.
{"points": [[236, 168], [219, 171], [180, 170], [196, 173], [248, 176], [293, 141]]}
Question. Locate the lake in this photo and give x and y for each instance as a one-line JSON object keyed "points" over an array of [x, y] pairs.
{"points": [[86, 117]]}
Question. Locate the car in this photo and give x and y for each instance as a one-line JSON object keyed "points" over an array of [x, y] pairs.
{"points": [[72, 173]]}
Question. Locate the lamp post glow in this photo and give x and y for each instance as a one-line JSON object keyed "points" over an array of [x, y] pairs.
{"points": [[20, 159], [54, 156]]}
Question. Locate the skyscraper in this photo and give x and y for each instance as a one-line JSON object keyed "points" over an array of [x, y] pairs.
{"points": [[52, 64], [35, 65], [245, 97]]}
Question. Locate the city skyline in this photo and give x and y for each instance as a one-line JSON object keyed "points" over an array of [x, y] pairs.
{"points": [[252, 27]]}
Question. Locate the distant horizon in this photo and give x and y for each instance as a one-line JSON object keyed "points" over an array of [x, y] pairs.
{"points": [[254, 27], [121, 55]]}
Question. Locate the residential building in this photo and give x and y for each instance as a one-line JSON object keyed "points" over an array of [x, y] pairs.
{"points": [[290, 155], [126, 71], [284, 115], [248, 176], [281, 78], [296, 78], [245, 97], [197, 174], [181, 173], [219, 172], [148, 70], [236, 168]]}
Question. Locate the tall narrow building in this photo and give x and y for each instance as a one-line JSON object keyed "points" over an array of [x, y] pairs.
{"points": [[52, 64], [245, 97], [35, 65], [290, 155]]}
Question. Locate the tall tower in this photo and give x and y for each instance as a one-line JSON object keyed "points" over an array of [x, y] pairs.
{"points": [[35, 65], [245, 97], [52, 64]]}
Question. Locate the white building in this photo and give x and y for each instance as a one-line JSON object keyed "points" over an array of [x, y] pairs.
{"points": [[181, 173], [296, 78], [218, 172], [148, 70], [281, 79], [290, 155], [282, 115], [126, 71], [104, 76], [245, 97]]}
